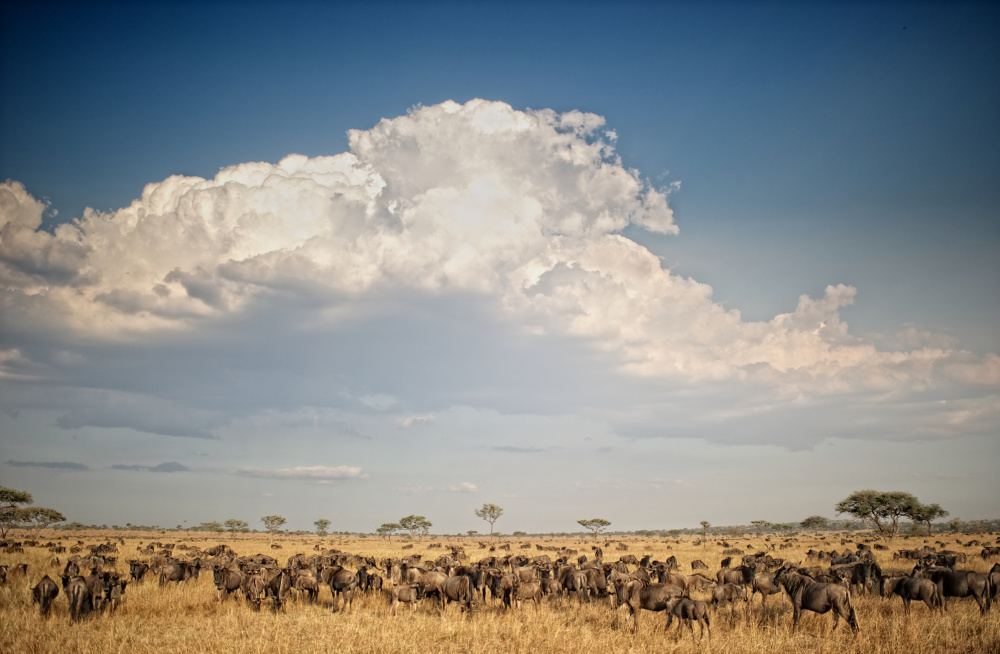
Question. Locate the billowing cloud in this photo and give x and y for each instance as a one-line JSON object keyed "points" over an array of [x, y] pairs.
{"points": [[54, 465], [314, 473], [457, 255]]}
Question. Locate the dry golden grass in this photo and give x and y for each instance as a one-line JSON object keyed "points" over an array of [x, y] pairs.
{"points": [[189, 618]]}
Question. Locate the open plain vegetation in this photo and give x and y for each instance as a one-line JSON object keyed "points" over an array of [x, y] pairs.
{"points": [[189, 617]]}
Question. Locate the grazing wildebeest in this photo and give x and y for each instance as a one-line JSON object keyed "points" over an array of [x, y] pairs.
{"points": [[960, 583], [17, 571], [638, 595], [912, 588], [44, 592], [688, 610], [409, 593], [728, 594], [227, 581], [812, 595], [698, 564]]}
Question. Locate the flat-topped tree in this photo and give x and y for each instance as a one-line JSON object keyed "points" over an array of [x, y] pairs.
{"points": [[927, 513], [596, 525], [490, 513], [273, 523], [388, 529], [321, 526], [415, 524], [882, 509]]}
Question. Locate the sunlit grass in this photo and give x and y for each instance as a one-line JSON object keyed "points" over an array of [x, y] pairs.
{"points": [[189, 617]]}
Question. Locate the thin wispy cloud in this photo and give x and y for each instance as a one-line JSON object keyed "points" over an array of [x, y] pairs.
{"points": [[313, 473], [54, 465], [168, 466]]}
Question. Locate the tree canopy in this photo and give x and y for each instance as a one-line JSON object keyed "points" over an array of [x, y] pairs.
{"points": [[415, 524], [389, 528], [232, 525], [321, 526], [882, 509], [927, 513], [272, 523], [490, 513], [815, 522], [13, 514], [596, 525]]}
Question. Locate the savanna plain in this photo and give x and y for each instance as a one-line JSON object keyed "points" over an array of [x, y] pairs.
{"points": [[189, 616]]}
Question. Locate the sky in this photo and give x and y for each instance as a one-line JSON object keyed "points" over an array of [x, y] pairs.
{"points": [[656, 263]]}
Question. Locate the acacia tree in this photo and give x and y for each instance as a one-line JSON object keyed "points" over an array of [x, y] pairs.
{"points": [[596, 525], [815, 522], [761, 525], [273, 523], [882, 509], [232, 525], [927, 513], [705, 524], [321, 526], [389, 528], [42, 518], [490, 513], [415, 524], [206, 526]]}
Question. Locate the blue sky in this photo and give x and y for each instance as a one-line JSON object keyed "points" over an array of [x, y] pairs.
{"points": [[797, 148]]}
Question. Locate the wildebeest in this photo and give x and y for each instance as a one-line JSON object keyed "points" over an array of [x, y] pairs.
{"points": [[812, 595], [228, 581], [741, 575], [114, 590], [256, 590], [960, 583], [278, 583], [79, 597], [177, 571], [342, 583], [912, 588], [698, 564], [526, 591], [44, 592], [728, 594], [137, 569], [688, 610], [458, 589], [638, 595], [765, 585], [409, 593]]}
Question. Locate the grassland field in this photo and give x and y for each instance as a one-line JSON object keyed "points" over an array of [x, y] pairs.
{"points": [[189, 617]]}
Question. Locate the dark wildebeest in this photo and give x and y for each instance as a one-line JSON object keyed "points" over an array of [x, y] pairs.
{"points": [[960, 583], [409, 593], [458, 589], [278, 583], [137, 569], [728, 594], [342, 582], [256, 590], [912, 588], [698, 564], [994, 575], [811, 595], [79, 597], [228, 581], [114, 590], [638, 595], [688, 610], [177, 571], [44, 593]]}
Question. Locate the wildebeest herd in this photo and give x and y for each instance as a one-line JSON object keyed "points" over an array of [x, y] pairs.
{"points": [[825, 582]]}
